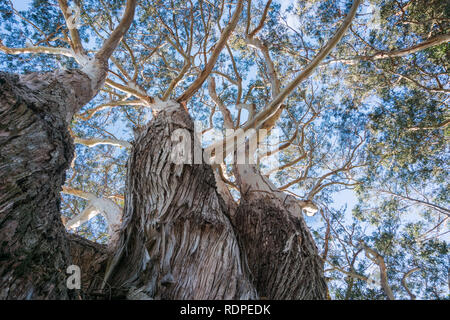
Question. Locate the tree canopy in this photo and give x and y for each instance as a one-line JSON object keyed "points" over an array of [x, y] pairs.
{"points": [[357, 91]]}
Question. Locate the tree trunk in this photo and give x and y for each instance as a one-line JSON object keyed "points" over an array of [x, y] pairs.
{"points": [[177, 241], [285, 263], [35, 151], [92, 259], [181, 237]]}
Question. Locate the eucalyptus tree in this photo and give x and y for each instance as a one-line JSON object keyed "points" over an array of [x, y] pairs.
{"points": [[211, 226], [36, 149], [396, 88]]}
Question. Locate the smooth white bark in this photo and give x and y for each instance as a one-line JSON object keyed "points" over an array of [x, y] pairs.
{"points": [[98, 141], [107, 208]]}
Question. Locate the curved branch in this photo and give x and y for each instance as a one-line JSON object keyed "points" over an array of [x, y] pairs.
{"points": [[48, 50], [214, 56], [136, 92], [227, 119], [99, 141], [407, 274], [116, 36], [263, 19], [76, 45], [109, 209], [272, 73], [379, 260]]}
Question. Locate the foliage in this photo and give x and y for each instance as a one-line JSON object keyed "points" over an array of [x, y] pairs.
{"points": [[363, 121]]}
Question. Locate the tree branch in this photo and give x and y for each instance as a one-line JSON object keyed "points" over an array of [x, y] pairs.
{"points": [[405, 277], [214, 56], [76, 45], [379, 260], [98, 141], [434, 41], [273, 107], [91, 112], [48, 50], [228, 121], [261, 21], [116, 36], [109, 209], [425, 203]]}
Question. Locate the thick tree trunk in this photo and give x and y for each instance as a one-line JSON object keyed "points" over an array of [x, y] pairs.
{"points": [[285, 264], [35, 151], [92, 259], [177, 241]]}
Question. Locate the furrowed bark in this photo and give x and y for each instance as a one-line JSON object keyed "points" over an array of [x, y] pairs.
{"points": [[35, 150], [177, 241], [92, 258], [285, 264]]}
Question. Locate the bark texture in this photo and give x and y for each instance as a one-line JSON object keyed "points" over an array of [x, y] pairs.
{"points": [[285, 264], [177, 240], [35, 151], [92, 258]]}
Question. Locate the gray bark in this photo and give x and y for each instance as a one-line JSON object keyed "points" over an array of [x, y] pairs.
{"points": [[35, 151], [92, 259], [177, 241], [285, 263], [179, 238]]}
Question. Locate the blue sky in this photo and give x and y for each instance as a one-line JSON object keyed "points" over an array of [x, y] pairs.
{"points": [[344, 198], [21, 4]]}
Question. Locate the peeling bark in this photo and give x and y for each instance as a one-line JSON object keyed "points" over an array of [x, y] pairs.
{"points": [[285, 264], [177, 241], [35, 151], [92, 258]]}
